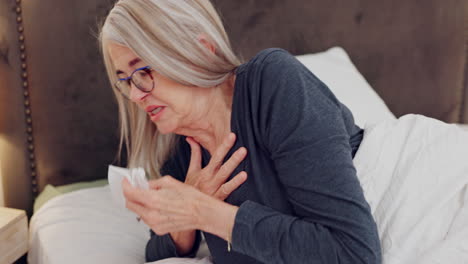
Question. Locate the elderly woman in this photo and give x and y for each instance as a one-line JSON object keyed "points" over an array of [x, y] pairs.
{"points": [[191, 111]]}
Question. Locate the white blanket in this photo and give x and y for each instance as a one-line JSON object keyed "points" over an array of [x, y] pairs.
{"points": [[414, 172]]}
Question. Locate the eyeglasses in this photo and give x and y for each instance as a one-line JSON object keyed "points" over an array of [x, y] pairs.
{"points": [[141, 78]]}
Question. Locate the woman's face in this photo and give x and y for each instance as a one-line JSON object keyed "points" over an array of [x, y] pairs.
{"points": [[170, 105]]}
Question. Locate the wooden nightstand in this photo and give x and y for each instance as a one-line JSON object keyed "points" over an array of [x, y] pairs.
{"points": [[13, 234]]}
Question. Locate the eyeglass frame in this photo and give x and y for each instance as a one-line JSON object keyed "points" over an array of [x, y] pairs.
{"points": [[130, 78]]}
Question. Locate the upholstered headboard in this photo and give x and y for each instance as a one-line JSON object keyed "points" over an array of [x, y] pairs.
{"points": [[58, 119]]}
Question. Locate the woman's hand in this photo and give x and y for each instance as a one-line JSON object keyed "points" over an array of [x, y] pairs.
{"points": [[211, 180], [171, 206], [168, 206]]}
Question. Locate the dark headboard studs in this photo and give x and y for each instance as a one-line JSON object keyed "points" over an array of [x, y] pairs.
{"points": [[58, 116], [27, 103]]}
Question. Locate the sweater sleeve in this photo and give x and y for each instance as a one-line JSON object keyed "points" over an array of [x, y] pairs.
{"points": [[162, 247], [302, 127]]}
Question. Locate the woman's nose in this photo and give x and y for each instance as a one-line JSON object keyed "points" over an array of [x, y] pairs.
{"points": [[136, 95]]}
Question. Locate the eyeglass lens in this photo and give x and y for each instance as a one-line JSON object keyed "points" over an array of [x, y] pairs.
{"points": [[142, 80]]}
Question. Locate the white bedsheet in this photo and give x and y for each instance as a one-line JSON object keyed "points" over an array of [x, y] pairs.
{"points": [[414, 172]]}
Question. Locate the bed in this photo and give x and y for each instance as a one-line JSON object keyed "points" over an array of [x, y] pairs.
{"points": [[58, 119]]}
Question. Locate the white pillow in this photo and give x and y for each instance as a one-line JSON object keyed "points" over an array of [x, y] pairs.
{"points": [[336, 70], [87, 226]]}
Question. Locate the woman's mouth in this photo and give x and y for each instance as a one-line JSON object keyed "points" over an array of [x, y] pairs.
{"points": [[155, 112]]}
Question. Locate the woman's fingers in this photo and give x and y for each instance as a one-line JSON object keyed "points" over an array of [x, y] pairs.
{"points": [[153, 184], [168, 206], [138, 209], [135, 195], [161, 221], [195, 158], [211, 180], [218, 157], [231, 164], [226, 189], [164, 181]]}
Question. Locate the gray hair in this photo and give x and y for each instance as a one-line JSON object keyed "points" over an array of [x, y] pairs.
{"points": [[166, 34]]}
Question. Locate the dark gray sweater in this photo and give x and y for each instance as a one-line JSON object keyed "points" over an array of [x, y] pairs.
{"points": [[302, 201]]}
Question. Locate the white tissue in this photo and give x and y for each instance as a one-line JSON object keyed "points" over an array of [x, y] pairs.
{"points": [[136, 177]]}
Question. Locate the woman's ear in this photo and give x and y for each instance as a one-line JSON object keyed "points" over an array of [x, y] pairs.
{"points": [[206, 42]]}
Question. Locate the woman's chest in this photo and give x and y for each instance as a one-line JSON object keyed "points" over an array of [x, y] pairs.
{"points": [[262, 185]]}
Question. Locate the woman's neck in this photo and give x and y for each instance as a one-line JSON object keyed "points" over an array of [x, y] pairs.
{"points": [[215, 125]]}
